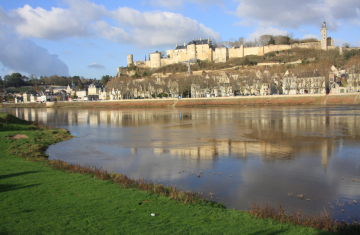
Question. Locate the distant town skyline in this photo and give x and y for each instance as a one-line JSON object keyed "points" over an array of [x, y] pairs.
{"points": [[91, 38]]}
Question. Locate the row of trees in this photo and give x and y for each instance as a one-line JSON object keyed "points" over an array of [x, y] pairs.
{"points": [[15, 79], [18, 80]]}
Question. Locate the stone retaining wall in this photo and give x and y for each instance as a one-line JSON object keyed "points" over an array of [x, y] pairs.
{"points": [[273, 100]]}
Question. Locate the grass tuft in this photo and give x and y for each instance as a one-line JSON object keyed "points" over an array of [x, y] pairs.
{"points": [[322, 221]]}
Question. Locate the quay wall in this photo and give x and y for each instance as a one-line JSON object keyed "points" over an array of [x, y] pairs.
{"points": [[271, 100]]}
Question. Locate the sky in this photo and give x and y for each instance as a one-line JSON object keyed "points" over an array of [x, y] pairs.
{"points": [[91, 38]]}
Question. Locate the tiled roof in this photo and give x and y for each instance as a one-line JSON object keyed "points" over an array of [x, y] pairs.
{"points": [[196, 42], [180, 47]]}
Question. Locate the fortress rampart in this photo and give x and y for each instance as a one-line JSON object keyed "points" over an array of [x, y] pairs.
{"points": [[203, 50]]}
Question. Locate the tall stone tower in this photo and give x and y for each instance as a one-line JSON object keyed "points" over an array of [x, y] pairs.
{"points": [[323, 32], [191, 50], [129, 59], [155, 60]]}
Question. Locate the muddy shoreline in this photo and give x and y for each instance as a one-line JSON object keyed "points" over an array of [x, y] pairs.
{"points": [[274, 100]]}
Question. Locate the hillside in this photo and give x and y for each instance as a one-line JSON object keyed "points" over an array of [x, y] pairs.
{"points": [[331, 57]]}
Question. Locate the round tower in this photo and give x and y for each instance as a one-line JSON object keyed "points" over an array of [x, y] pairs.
{"points": [[155, 60], [129, 59], [170, 53]]}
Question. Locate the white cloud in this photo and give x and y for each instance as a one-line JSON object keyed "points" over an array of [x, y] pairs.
{"points": [[178, 3], [307, 36], [246, 23], [23, 55], [96, 66], [111, 56], [54, 24], [112, 33], [339, 42], [9, 72], [284, 13], [85, 19], [266, 30], [160, 28]]}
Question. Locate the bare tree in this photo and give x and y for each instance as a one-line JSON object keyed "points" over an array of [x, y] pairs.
{"points": [[240, 41], [184, 86], [264, 39]]}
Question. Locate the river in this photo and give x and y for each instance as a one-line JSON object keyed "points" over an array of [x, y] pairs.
{"points": [[243, 155]]}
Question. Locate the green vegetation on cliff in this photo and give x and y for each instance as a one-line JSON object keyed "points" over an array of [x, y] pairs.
{"points": [[330, 57]]}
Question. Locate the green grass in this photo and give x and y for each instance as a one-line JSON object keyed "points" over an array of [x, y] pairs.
{"points": [[36, 199], [19, 89]]}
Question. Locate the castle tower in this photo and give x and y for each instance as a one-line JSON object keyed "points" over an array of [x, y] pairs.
{"points": [[323, 33], [129, 59], [118, 71], [155, 60], [191, 51]]}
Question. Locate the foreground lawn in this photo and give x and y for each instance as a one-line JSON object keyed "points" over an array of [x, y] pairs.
{"points": [[36, 199]]}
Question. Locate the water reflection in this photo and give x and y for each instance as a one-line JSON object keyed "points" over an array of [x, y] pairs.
{"points": [[273, 134], [273, 154]]}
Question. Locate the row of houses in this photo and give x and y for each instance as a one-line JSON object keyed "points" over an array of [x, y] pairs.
{"points": [[228, 85], [258, 83], [264, 83], [95, 91]]}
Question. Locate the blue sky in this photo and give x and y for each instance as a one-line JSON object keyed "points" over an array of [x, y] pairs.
{"points": [[91, 38]]}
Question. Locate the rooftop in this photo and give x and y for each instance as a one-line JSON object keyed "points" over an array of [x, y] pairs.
{"points": [[196, 42]]}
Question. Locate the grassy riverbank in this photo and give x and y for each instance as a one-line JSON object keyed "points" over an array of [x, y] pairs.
{"points": [[37, 199]]}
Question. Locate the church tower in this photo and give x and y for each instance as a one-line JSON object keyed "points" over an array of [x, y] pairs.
{"points": [[323, 32]]}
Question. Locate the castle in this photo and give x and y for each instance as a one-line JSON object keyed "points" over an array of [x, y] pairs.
{"points": [[203, 50]]}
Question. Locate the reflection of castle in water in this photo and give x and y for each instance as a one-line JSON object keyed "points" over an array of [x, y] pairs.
{"points": [[226, 148], [275, 133], [243, 149]]}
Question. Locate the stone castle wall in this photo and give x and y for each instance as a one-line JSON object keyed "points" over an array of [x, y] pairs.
{"points": [[220, 55], [204, 52]]}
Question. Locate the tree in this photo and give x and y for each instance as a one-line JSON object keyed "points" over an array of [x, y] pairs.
{"points": [[254, 43], [81, 86], [15, 79], [346, 45], [271, 41], [184, 86], [214, 43], [1, 81], [105, 79], [240, 41], [162, 54], [36, 87], [280, 39], [264, 39], [33, 79], [7, 81]]}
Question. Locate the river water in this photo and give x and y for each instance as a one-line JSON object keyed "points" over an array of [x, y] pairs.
{"points": [[243, 155]]}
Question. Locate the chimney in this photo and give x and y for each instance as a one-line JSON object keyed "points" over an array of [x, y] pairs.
{"points": [[200, 39], [184, 44], [176, 45]]}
